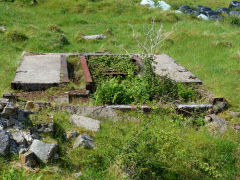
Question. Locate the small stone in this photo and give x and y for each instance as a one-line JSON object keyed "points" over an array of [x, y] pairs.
{"points": [[3, 28], [149, 3], [70, 135], [44, 151], [18, 137], [219, 105], [77, 175], [64, 99], [28, 159], [84, 140], [44, 128], [4, 142], [97, 37], [85, 122], [9, 96], [222, 10]]}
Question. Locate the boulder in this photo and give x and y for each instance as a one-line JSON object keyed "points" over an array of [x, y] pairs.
{"points": [[234, 4], [43, 151], [84, 140], [97, 37], [4, 142], [215, 124], [85, 122], [235, 13]]}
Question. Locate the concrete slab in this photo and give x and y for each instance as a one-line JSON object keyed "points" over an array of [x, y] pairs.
{"points": [[166, 66], [39, 72]]}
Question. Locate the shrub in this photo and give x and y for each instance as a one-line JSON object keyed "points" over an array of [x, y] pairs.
{"points": [[16, 36]]}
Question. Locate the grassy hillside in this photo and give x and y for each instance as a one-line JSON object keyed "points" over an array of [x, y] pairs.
{"points": [[209, 49]]}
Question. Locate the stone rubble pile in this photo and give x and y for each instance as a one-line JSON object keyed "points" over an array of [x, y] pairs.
{"points": [[202, 12], [16, 139]]}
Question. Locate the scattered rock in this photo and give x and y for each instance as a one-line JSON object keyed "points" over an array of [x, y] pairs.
{"points": [[4, 142], [234, 4], [71, 134], [223, 10], [235, 114], [18, 137], [203, 17], [23, 115], [186, 9], [149, 3], [188, 108], [77, 175], [235, 13], [3, 28], [85, 122], [97, 37], [215, 123], [43, 151], [9, 96], [43, 128], [163, 5], [84, 140], [28, 159]]}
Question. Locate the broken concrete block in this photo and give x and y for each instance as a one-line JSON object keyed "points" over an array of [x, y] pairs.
{"points": [[63, 99], [85, 122], [43, 151], [28, 159], [4, 142], [215, 124], [84, 140], [219, 105], [97, 37]]}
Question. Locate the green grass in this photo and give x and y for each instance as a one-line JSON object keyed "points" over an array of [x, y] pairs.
{"points": [[209, 49]]}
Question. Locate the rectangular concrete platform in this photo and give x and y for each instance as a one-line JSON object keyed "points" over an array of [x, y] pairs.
{"points": [[166, 66], [39, 72]]}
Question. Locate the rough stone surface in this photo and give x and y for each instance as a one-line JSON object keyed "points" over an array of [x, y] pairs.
{"points": [[222, 10], [97, 37], [71, 134], [9, 110], [163, 5], [64, 99], [43, 151], [203, 17], [194, 108], [38, 72], [4, 142], [149, 3], [85, 122], [4, 101], [84, 140], [77, 175], [219, 105], [43, 128], [166, 66], [215, 123]]}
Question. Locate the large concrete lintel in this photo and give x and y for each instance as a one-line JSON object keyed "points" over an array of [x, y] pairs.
{"points": [[40, 72]]}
